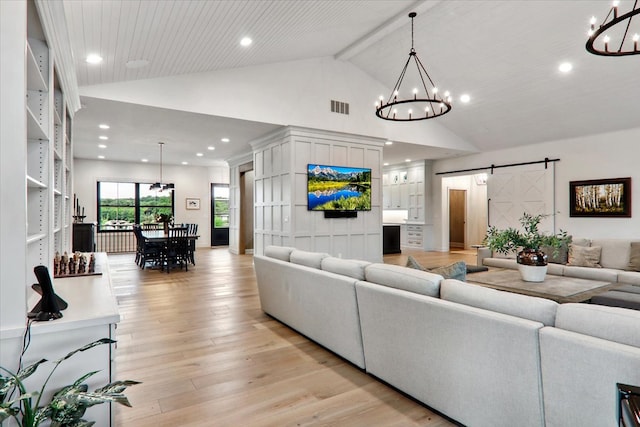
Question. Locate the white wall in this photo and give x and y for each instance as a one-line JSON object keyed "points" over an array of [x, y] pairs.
{"points": [[190, 181], [608, 155]]}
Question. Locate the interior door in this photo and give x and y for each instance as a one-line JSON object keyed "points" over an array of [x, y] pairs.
{"points": [[219, 214], [457, 218]]}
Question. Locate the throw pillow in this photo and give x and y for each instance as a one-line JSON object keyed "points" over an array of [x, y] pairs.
{"points": [[457, 270], [634, 257], [412, 263], [584, 256], [557, 255]]}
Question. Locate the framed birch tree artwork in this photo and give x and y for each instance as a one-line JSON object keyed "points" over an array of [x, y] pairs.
{"points": [[600, 198]]}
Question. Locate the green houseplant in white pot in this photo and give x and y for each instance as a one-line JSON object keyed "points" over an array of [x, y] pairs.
{"points": [[532, 261]]}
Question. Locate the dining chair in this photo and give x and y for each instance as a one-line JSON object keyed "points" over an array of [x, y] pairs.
{"points": [[146, 252], [192, 231], [175, 252]]}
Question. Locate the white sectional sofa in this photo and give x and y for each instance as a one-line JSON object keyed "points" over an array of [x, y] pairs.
{"points": [[477, 355], [614, 267]]}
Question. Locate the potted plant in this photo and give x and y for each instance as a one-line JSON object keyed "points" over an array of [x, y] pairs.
{"points": [[66, 407], [532, 261]]}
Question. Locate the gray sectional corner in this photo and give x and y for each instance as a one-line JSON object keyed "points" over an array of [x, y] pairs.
{"points": [[480, 356]]}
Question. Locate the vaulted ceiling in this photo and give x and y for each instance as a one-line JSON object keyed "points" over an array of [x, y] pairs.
{"points": [[504, 54]]}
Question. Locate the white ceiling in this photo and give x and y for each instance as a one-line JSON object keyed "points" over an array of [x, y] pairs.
{"points": [[505, 54]]}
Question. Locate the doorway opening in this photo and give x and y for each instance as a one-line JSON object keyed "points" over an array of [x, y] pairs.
{"points": [[245, 229], [219, 214], [457, 218]]}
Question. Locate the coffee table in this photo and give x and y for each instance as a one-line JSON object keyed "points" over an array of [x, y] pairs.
{"points": [[558, 288]]}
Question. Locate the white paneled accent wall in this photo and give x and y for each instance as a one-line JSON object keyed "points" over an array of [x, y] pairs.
{"points": [[281, 215]]}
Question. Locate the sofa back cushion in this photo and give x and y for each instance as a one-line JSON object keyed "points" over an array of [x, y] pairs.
{"points": [[283, 253], [408, 279], [310, 259], [537, 309], [634, 256], [616, 324], [584, 256], [615, 252], [346, 267]]}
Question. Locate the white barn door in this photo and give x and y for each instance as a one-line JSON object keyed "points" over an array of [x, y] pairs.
{"points": [[514, 190]]}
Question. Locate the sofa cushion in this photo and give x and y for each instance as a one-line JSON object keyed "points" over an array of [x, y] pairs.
{"points": [[346, 267], [557, 255], [584, 256], [310, 259], [526, 307], [615, 252], [632, 277], [618, 299], [408, 279], [634, 256], [413, 263], [500, 263], [282, 253], [457, 270], [603, 274], [555, 269], [609, 323]]}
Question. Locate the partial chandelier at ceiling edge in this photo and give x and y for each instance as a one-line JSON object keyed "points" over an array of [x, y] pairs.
{"points": [[615, 28], [160, 186]]}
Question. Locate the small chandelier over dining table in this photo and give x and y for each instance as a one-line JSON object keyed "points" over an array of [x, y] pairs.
{"points": [[426, 103], [615, 30], [160, 186]]}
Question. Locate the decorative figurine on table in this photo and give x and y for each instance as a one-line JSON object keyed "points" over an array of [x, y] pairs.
{"points": [[72, 264], [92, 263], [64, 262], [56, 264], [82, 264]]}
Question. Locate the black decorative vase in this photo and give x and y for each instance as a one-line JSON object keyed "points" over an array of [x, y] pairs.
{"points": [[532, 264]]}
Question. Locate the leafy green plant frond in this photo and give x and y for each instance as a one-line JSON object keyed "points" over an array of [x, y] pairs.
{"points": [[511, 239]]}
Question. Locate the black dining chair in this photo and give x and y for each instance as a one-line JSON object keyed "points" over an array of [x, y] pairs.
{"points": [[146, 252], [175, 253], [192, 231]]}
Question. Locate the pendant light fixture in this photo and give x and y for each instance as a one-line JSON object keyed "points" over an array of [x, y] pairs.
{"points": [[160, 186], [425, 103], [616, 30]]}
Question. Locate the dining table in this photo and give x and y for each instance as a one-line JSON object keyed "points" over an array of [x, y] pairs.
{"points": [[158, 236]]}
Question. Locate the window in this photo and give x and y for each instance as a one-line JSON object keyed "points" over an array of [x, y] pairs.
{"points": [[122, 204], [220, 206]]}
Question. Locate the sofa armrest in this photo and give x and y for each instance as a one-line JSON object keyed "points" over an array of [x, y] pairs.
{"points": [[483, 253]]}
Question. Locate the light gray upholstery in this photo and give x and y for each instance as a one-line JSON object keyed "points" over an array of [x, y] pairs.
{"points": [[409, 279], [479, 367], [615, 253], [555, 269], [347, 267], [310, 259], [537, 309], [609, 323], [632, 277], [591, 349], [279, 252], [501, 263], [603, 274], [316, 303]]}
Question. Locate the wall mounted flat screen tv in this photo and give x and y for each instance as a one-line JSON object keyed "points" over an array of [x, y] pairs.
{"points": [[338, 188]]}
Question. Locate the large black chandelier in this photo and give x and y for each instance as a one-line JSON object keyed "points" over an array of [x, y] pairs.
{"points": [[160, 186], [615, 28], [425, 104]]}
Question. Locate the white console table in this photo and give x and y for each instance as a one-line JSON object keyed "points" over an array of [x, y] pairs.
{"points": [[92, 314]]}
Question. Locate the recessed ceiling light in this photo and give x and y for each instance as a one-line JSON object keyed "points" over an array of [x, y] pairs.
{"points": [[136, 63], [185, 163], [385, 164], [565, 67], [101, 157], [102, 146], [144, 160], [465, 98], [103, 137], [407, 160], [211, 147], [225, 140], [389, 143], [103, 126], [246, 41], [93, 58], [199, 154]]}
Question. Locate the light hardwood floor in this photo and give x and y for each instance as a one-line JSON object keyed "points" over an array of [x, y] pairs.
{"points": [[208, 356]]}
